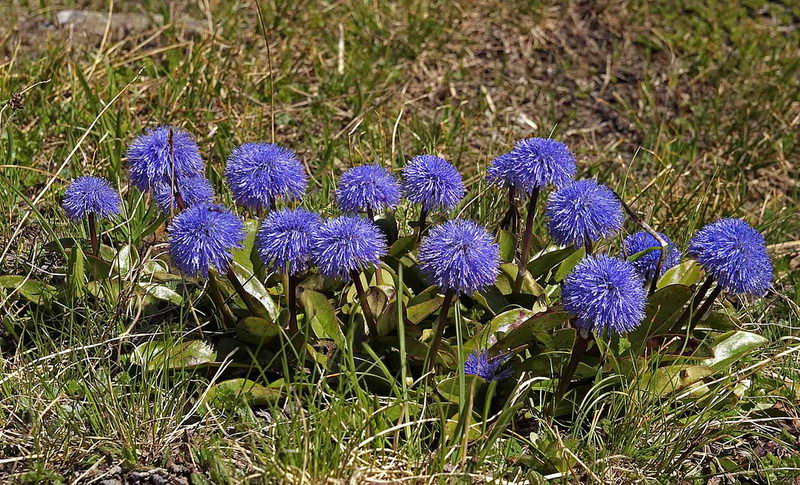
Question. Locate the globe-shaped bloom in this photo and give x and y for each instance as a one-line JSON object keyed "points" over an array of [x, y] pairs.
{"points": [[646, 264], [735, 255], [192, 190], [537, 162], [259, 173], [367, 187], [202, 237], [346, 244], [583, 211], [605, 294], [459, 256], [90, 195], [499, 171], [284, 240], [479, 364], [154, 161], [432, 182]]}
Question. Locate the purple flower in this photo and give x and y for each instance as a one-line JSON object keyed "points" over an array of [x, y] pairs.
{"points": [[583, 211], [202, 237], [347, 244], [152, 162], [538, 162], [646, 264], [459, 256], [479, 364], [432, 182], [259, 173], [734, 253], [284, 240], [499, 171], [367, 187], [605, 294], [90, 195], [192, 190]]}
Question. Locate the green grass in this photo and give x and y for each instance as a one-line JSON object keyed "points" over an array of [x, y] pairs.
{"points": [[690, 111]]}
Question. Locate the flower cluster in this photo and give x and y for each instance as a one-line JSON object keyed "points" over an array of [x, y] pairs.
{"points": [[347, 244], [192, 190], [535, 163], [478, 363], [202, 237], [432, 182], [583, 211], [90, 195], [284, 240], [161, 155], [259, 173], [367, 187], [647, 262]]}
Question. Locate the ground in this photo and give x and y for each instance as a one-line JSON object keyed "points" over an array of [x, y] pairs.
{"points": [[691, 110]]}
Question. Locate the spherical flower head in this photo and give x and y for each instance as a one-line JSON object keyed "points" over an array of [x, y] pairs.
{"points": [[459, 256], [432, 182], [646, 264], [192, 190], [479, 364], [346, 244], [605, 294], [499, 171], [538, 162], [150, 157], [202, 237], [259, 173], [90, 195], [284, 240], [367, 187], [735, 255], [583, 211]]}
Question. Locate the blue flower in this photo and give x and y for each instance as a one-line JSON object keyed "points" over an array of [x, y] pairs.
{"points": [[479, 364], [538, 162], [499, 171], [367, 187], [91, 195], [202, 237], [150, 159], [192, 190], [646, 264], [459, 255], [284, 240], [259, 173], [605, 294], [432, 182], [583, 211], [735, 255], [347, 244]]}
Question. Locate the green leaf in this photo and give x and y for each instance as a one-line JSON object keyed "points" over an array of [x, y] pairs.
{"points": [[242, 256], [732, 346], [125, 260], [546, 261], [686, 273], [257, 331], [665, 380], [32, 290], [508, 246], [76, 273], [161, 292], [568, 264], [187, 354], [320, 315], [508, 274], [499, 326], [423, 305], [662, 309], [449, 388], [402, 246], [530, 330], [243, 390], [254, 287]]}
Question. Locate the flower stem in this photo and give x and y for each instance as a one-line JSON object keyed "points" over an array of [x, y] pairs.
{"points": [[228, 319], [578, 350], [362, 298], [587, 245], [371, 214], [704, 308], [440, 323], [526, 241], [247, 298], [291, 295], [93, 235], [691, 309], [423, 215], [511, 218]]}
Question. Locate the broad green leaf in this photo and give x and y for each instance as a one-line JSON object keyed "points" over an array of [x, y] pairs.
{"points": [[686, 273], [500, 325], [257, 331], [526, 333], [161, 292], [424, 304], [254, 287], [244, 390], [449, 388], [568, 264], [665, 380], [508, 246], [402, 246], [125, 260], [320, 315], [32, 290], [388, 225], [542, 263], [76, 274], [508, 275], [732, 346], [663, 307], [173, 355], [242, 256]]}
